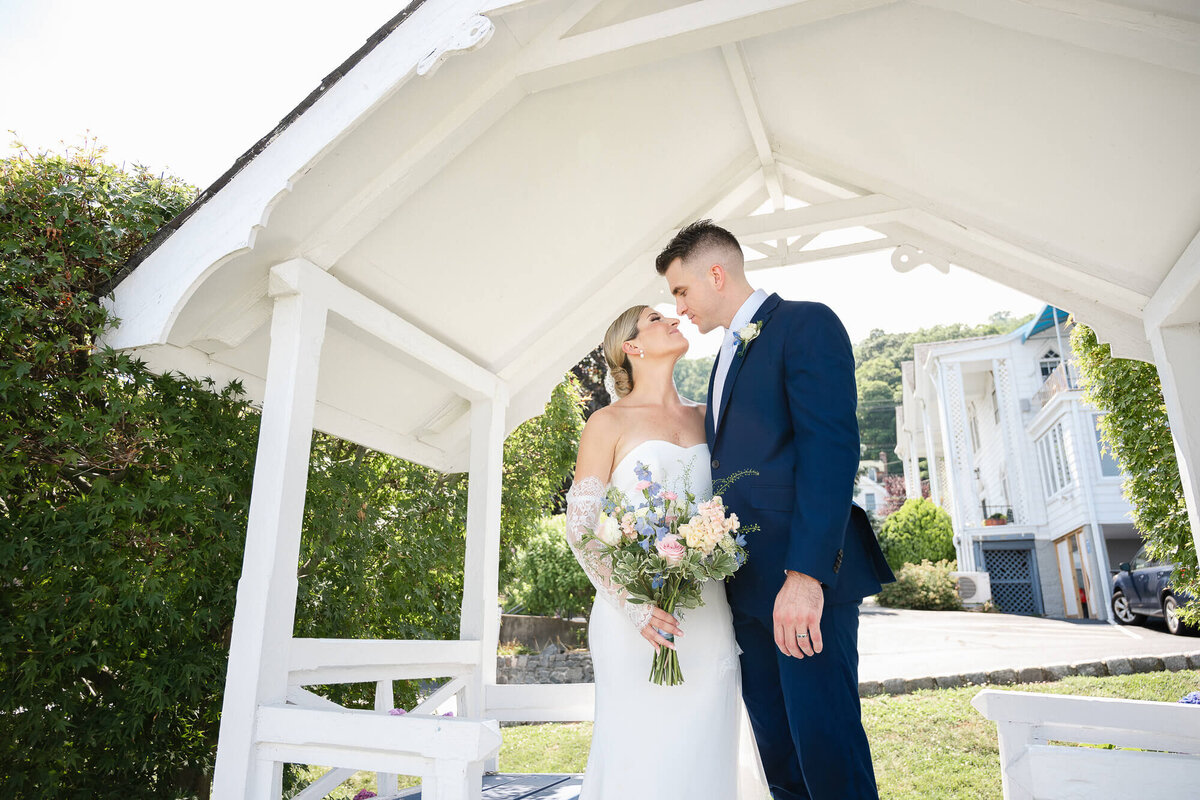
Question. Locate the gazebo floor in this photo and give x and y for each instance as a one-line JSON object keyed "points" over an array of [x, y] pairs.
{"points": [[521, 787]]}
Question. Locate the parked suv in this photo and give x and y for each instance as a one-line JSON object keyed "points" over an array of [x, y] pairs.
{"points": [[1142, 588]]}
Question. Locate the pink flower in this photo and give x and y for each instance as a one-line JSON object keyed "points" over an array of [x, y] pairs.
{"points": [[396, 712], [364, 794], [642, 486], [671, 549], [627, 525], [671, 496]]}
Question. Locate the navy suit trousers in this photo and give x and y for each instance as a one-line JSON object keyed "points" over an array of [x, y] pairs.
{"points": [[805, 712]]}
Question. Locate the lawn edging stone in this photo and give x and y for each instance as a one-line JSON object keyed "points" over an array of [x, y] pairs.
{"points": [[1118, 665]]}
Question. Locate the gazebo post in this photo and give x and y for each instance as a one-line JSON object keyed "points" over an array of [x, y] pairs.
{"points": [[1177, 355], [479, 620], [266, 596]]}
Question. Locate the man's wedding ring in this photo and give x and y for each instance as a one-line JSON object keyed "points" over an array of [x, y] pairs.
{"points": [[801, 635]]}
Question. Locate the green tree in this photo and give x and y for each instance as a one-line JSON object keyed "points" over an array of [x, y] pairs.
{"points": [[691, 377], [1136, 430], [123, 502], [547, 580], [917, 531]]}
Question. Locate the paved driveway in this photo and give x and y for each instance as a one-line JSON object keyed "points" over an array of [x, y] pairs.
{"points": [[895, 643]]}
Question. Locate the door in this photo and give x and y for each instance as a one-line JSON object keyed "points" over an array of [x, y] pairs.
{"points": [[1012, 573], [1078, 599]]}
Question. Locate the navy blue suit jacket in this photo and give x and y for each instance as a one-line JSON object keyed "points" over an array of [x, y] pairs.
{"points": [[787, 411]]}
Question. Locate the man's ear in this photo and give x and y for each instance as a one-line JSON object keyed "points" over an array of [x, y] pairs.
{"points": [[716, 274]]}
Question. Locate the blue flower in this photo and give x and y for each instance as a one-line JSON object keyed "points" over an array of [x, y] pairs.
{"points": [[658, 582], [645, 545], [1191, 697], [660, 531], [645, 529], [740, 540], [741, 559], [642, 472], [609, 506]]}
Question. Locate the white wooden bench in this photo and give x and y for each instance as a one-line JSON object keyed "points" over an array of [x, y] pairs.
{"points": [[1033, 764], [448, 753]]}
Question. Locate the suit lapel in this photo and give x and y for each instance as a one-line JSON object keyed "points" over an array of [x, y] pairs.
{"points": [[709, 432], [762, 315]]}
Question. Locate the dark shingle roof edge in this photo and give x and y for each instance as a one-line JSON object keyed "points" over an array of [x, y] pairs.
{"points": [[165, 232]]}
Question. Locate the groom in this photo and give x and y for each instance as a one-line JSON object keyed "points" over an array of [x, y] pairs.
{"points": [[781, 401]]}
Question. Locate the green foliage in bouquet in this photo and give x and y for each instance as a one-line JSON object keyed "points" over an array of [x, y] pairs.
{"points": [[927, 586], [920, 529], [546, 578]]}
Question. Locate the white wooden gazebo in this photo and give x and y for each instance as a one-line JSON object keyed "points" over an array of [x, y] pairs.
{"points": [[413, 258]]}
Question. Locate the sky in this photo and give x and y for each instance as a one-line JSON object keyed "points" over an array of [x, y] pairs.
{"points": [[188, 87]]}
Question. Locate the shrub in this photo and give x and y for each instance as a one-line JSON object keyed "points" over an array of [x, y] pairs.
{"points": [[919, 530], [927, 586], [546, 579]]}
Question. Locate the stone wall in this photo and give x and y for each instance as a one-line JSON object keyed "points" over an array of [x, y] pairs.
{"points": [[573, 667]]}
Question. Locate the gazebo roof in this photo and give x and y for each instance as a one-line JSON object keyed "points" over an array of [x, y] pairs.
{"points": [[507, 203]]}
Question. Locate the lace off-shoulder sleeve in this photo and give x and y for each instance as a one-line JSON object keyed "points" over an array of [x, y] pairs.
{"points": [[584, 501]]}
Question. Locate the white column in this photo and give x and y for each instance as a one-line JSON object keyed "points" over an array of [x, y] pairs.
{"points": [[480, 619], [1177, 355], [1011, 429], [912, 467], [266, 596], [931, 457], [960, 474], [1083, 435]]}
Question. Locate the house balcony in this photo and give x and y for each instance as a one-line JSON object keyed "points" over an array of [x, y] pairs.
{"points": [[1064, 378]]}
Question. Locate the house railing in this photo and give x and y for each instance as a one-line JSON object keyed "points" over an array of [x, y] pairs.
{"points": [[1064, 378]]}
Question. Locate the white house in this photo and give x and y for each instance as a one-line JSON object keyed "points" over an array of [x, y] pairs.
{"points": [[869, 489], [1035, 499], [415, 255]]}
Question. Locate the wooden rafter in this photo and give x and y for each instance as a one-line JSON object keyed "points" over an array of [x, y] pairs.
{"points": [[743, 84], [1150, 36], [696, 26]]}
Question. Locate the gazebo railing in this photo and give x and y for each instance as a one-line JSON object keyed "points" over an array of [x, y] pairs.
{"points": [[311, 729]]}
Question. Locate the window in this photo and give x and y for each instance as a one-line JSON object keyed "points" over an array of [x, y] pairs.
{"points": [[869, 502], [1050, 362], [872, 474], [1052, 457], [1109, 467]]}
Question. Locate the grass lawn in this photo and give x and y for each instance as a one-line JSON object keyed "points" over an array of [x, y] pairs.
{"points": [[929, 744]]}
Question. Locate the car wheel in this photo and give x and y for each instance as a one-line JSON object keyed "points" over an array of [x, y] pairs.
{"points": [[1122, 610], [1175, 625]]}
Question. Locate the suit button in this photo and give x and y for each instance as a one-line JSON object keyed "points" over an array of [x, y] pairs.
{"points": [[715, 463]]}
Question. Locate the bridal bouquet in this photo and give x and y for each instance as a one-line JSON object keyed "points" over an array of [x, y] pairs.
{"points": [[662, 547]]}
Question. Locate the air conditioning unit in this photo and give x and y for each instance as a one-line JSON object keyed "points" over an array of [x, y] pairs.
{"points": [[974, 588]]}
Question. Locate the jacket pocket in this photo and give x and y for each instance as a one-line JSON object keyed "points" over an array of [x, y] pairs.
{"points": [[775, 498]]}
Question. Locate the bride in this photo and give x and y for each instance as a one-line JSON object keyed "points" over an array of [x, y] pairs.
{"points": [[691, 741]]}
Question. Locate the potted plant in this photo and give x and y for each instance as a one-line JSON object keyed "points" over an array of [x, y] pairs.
{"points": [[996, 519]]}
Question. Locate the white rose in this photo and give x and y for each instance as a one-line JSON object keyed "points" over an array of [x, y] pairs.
{"points": [[608, 531]]}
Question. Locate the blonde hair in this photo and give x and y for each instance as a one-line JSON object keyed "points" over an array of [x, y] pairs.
{"points": [[622, 329]]}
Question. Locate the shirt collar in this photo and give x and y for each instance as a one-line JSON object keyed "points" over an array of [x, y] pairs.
{"points": [[748, 310]]}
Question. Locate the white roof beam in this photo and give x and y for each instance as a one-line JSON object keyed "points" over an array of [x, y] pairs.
{"points": [[444, 140], [1107, 27], [470, 379], [696, 26], [743, 84], [835, 215], [1177, 299], [797, 257]]}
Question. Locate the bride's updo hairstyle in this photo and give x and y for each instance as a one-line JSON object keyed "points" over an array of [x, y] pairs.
{"points": [[622, 329]]}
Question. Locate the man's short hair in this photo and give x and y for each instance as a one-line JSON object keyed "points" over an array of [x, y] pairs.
{"points": [[700, 235]]}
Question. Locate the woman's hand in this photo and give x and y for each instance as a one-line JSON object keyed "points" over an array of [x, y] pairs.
{"points": [[660, 622]]}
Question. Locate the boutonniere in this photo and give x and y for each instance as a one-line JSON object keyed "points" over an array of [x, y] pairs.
{"points": [[743, 336]]}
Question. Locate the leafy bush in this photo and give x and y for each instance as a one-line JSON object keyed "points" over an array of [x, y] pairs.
{"points": [[926, 587], [123, 503], [918, 530], [1136, 430], [547, 580]]}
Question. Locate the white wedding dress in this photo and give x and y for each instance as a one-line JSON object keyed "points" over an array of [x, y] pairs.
{"points": [[687, 742]]}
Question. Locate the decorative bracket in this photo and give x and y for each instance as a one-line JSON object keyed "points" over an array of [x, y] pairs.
{"points": [[471, 34], [906, 258]]}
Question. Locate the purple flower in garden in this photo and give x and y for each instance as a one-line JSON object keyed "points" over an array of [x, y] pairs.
{"points": [[397, 712], [363, 794], [448, 714], [1192, 698]]}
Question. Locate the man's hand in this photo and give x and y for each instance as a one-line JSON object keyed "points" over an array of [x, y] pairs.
{"points": [[798, 609]]}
